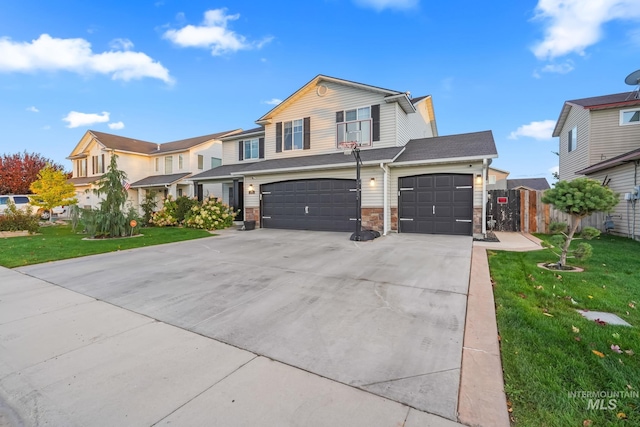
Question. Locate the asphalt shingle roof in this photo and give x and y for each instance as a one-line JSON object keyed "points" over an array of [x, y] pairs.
{"points": [[155, 180], [532, 183], [220, 172], [476, 144], [615, 98]]}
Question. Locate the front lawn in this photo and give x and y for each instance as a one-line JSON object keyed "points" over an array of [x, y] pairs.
{"points": [[556, 363], [60, 242]]}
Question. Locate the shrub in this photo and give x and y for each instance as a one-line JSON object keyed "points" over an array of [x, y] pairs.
{"points": [[148, 205], [15, 219], [212, 214], [166, 216], [183, 207]]}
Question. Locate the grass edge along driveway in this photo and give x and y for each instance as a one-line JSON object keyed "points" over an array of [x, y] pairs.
{"points": [[557, 365], [60, 242]]}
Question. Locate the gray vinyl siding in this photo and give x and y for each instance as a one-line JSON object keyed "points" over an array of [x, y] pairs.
{"points": [[322, 111], [622, 181], [402, 128], [419, 123], [608, 138], [371, 196], [230, 154], [570, 162]]}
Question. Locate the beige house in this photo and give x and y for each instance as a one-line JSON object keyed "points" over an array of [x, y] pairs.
{"points": [[600, 139], [162, 168], [290, 172], [497, 179]]}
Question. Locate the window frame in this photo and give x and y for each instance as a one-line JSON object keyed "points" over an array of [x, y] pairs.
{"points": [[200, 161], [253, 156], [81, 168], [572, 136], [344, 123], [630, 123], [180, 162], [293, 135], [157, 165], [168, 165]]}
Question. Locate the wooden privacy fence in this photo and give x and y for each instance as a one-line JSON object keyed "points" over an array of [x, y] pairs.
{"points": [[523, 210]]}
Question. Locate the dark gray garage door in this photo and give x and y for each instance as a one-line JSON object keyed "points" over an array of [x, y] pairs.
{"points": [[315, 204], [436, 204]]}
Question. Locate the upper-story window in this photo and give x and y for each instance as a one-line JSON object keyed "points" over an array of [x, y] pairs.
{"points": [[572, 139], [252, 148], [81, 167], [293, 133], [492, 179], [215, 162], [97, 164], [200, 161], [180, 161], [168, 164], [157, 168], [630, 117], [361, 125]]}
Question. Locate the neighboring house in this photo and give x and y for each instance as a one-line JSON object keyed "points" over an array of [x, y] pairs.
{"points": [[291, 173], [600, 139], [536, 184], [162, 168], [497, 179]]}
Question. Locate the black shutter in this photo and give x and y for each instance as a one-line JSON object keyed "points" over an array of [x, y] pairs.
{"points": [[375, 115], [240, 150], [339, 116], [102, 170], [261, 148], [307, 133], [279, 137]]}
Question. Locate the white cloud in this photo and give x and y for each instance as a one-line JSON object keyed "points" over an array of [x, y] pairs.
{"points": [[76, 119], [537, 130], [121, 44], [563, 68], [273, 101], [214, 34], [573, 25], [116, 125], [33, 109], [75, 55], [388, 4]]}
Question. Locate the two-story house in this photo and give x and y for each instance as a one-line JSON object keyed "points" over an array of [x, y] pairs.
{"points": [[600, 139], [291, 172], [162, 168]]}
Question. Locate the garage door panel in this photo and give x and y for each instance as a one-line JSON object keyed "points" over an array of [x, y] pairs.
{"points": [[450, 194], [322, 204]]}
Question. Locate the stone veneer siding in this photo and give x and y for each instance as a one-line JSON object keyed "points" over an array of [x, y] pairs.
{"points": [[477, 220]]}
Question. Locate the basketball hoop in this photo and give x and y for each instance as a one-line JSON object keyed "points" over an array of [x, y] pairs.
{"points": [[348, 146]]}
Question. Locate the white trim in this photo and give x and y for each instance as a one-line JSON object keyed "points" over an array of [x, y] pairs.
{"points": [[292, 133], [622, 123], [244, 148], [306, 168], [442, 161]]}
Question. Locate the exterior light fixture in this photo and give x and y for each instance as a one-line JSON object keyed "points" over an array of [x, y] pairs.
{"points": [[251, 189], [478, 179], [372, 182]]}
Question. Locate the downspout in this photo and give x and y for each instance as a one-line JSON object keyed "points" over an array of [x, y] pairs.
{"points": [[386, 217], [484, 197]]}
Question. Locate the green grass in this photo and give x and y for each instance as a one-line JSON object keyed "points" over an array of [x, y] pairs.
{"points": [[542, 358], [60, 242]]}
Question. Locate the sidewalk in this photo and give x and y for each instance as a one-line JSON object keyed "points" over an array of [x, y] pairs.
{"points": [[482, 401]]}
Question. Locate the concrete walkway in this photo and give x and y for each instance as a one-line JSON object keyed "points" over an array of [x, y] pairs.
{"points": [[482, 401]]}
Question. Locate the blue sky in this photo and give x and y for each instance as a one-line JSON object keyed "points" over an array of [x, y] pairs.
{"points": [[163, 70]]}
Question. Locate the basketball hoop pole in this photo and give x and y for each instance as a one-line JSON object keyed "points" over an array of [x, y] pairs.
{"points": [[360, 234]]}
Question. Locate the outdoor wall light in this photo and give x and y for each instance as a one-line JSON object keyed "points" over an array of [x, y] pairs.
{"points": [[372, 183], [478, 179], [251, 189]]}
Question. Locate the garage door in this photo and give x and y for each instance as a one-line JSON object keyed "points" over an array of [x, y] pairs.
{"points": [[436, 204], [315, 204]]}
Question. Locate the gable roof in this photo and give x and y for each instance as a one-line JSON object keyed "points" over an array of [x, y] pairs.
{"points": [[466, 146], [627, 157], [616, 100], [530, 183], [158, 180], [390, 95], [184, 144], [249, 132]]}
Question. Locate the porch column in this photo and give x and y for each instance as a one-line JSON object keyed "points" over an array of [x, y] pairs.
{"points": [[235, 203]]}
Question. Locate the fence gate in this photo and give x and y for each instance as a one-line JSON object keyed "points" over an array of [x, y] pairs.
{"points": [[503, 210]]}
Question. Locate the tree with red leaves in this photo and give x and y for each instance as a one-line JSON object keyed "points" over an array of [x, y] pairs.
{"points": [[18, 171]]}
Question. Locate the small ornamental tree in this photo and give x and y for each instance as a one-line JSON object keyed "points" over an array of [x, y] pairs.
{"points": [[579, 198], [51, 189], [111, 220]]}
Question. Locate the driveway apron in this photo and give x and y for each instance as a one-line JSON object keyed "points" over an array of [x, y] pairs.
{"points": [[385, 316]]}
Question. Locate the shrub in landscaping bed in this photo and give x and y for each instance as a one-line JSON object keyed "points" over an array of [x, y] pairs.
{"points": [[166, 216], [14, 219], [212, 214]]}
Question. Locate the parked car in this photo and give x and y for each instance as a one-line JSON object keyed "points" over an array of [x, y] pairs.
{"points": [[22, 202]]}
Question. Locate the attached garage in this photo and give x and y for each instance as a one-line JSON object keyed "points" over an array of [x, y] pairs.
{"points": [[313, 204], [436, 204]]}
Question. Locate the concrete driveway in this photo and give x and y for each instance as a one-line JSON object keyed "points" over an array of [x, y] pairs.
{"points": [[386, 316]]}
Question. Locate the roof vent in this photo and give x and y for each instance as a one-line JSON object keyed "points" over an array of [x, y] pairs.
{"points": [[408, 94]]}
